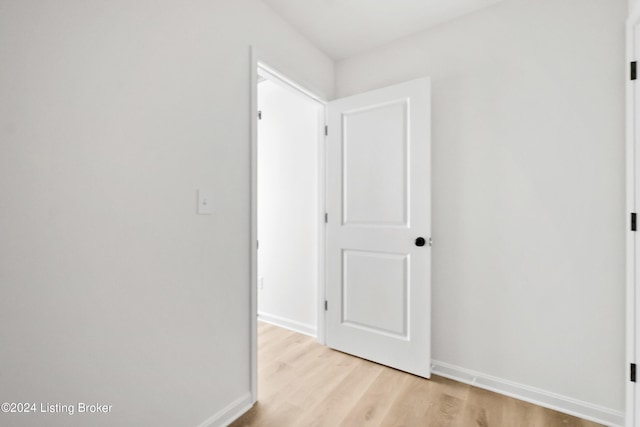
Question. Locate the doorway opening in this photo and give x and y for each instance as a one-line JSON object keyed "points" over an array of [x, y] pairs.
{"points": [[287, 207]]}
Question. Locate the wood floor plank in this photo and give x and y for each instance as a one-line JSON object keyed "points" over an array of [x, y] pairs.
{"points": [[334, 407], [304, 384], [281, 343], [412, 403], [484, 408], [371, 409], [475, 416], [323, 381], [447, 413], [281, 374], [558, 419], [519, 412]]}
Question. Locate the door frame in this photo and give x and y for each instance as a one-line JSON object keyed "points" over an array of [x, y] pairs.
{"points": [[632, 412], [258, 62]]}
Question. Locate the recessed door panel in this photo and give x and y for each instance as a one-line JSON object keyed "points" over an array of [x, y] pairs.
{"points": [[375, 165], [375, 291]]}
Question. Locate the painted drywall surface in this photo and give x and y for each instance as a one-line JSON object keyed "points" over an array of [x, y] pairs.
{"points": [[528, 189], [288, 206], [112, 289]]}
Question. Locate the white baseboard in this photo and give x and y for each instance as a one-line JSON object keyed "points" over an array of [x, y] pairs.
{"points": [[229, 413], [288, 324], [567, 405]]}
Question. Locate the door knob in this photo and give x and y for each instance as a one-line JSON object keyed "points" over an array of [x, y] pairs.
{"points": [[420, 241]]}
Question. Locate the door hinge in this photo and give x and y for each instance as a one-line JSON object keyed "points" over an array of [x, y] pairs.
{"points": [[326, 130], [633, 73], [326, 218], [634, 225], [259, 115], [326, 305], [632, 373]]}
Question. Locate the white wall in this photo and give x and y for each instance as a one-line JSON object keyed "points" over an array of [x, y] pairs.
{"points": [[288, 207], [528, 189], [112, 289]]}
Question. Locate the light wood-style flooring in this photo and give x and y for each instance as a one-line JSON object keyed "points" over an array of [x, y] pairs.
{"points": [[304, 384]]}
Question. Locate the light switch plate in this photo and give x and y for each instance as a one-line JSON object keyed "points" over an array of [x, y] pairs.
{"points": [[205, 202]]}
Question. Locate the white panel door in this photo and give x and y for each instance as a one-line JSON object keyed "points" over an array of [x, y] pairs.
{"points": [[378, 200]]}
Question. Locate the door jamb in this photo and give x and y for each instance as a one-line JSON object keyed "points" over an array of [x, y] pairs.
{"points": [[631, 412], [257, 62]]}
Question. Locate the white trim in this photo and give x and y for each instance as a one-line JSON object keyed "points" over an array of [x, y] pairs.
{"points": [[229, 413], [253, 240], [267, 73], [557, 402], [322, 226], [270, 73], [632, 183], [292, 325]]}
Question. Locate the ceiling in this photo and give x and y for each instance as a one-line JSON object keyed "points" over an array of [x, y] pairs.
{"points": [[343, 28]]}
